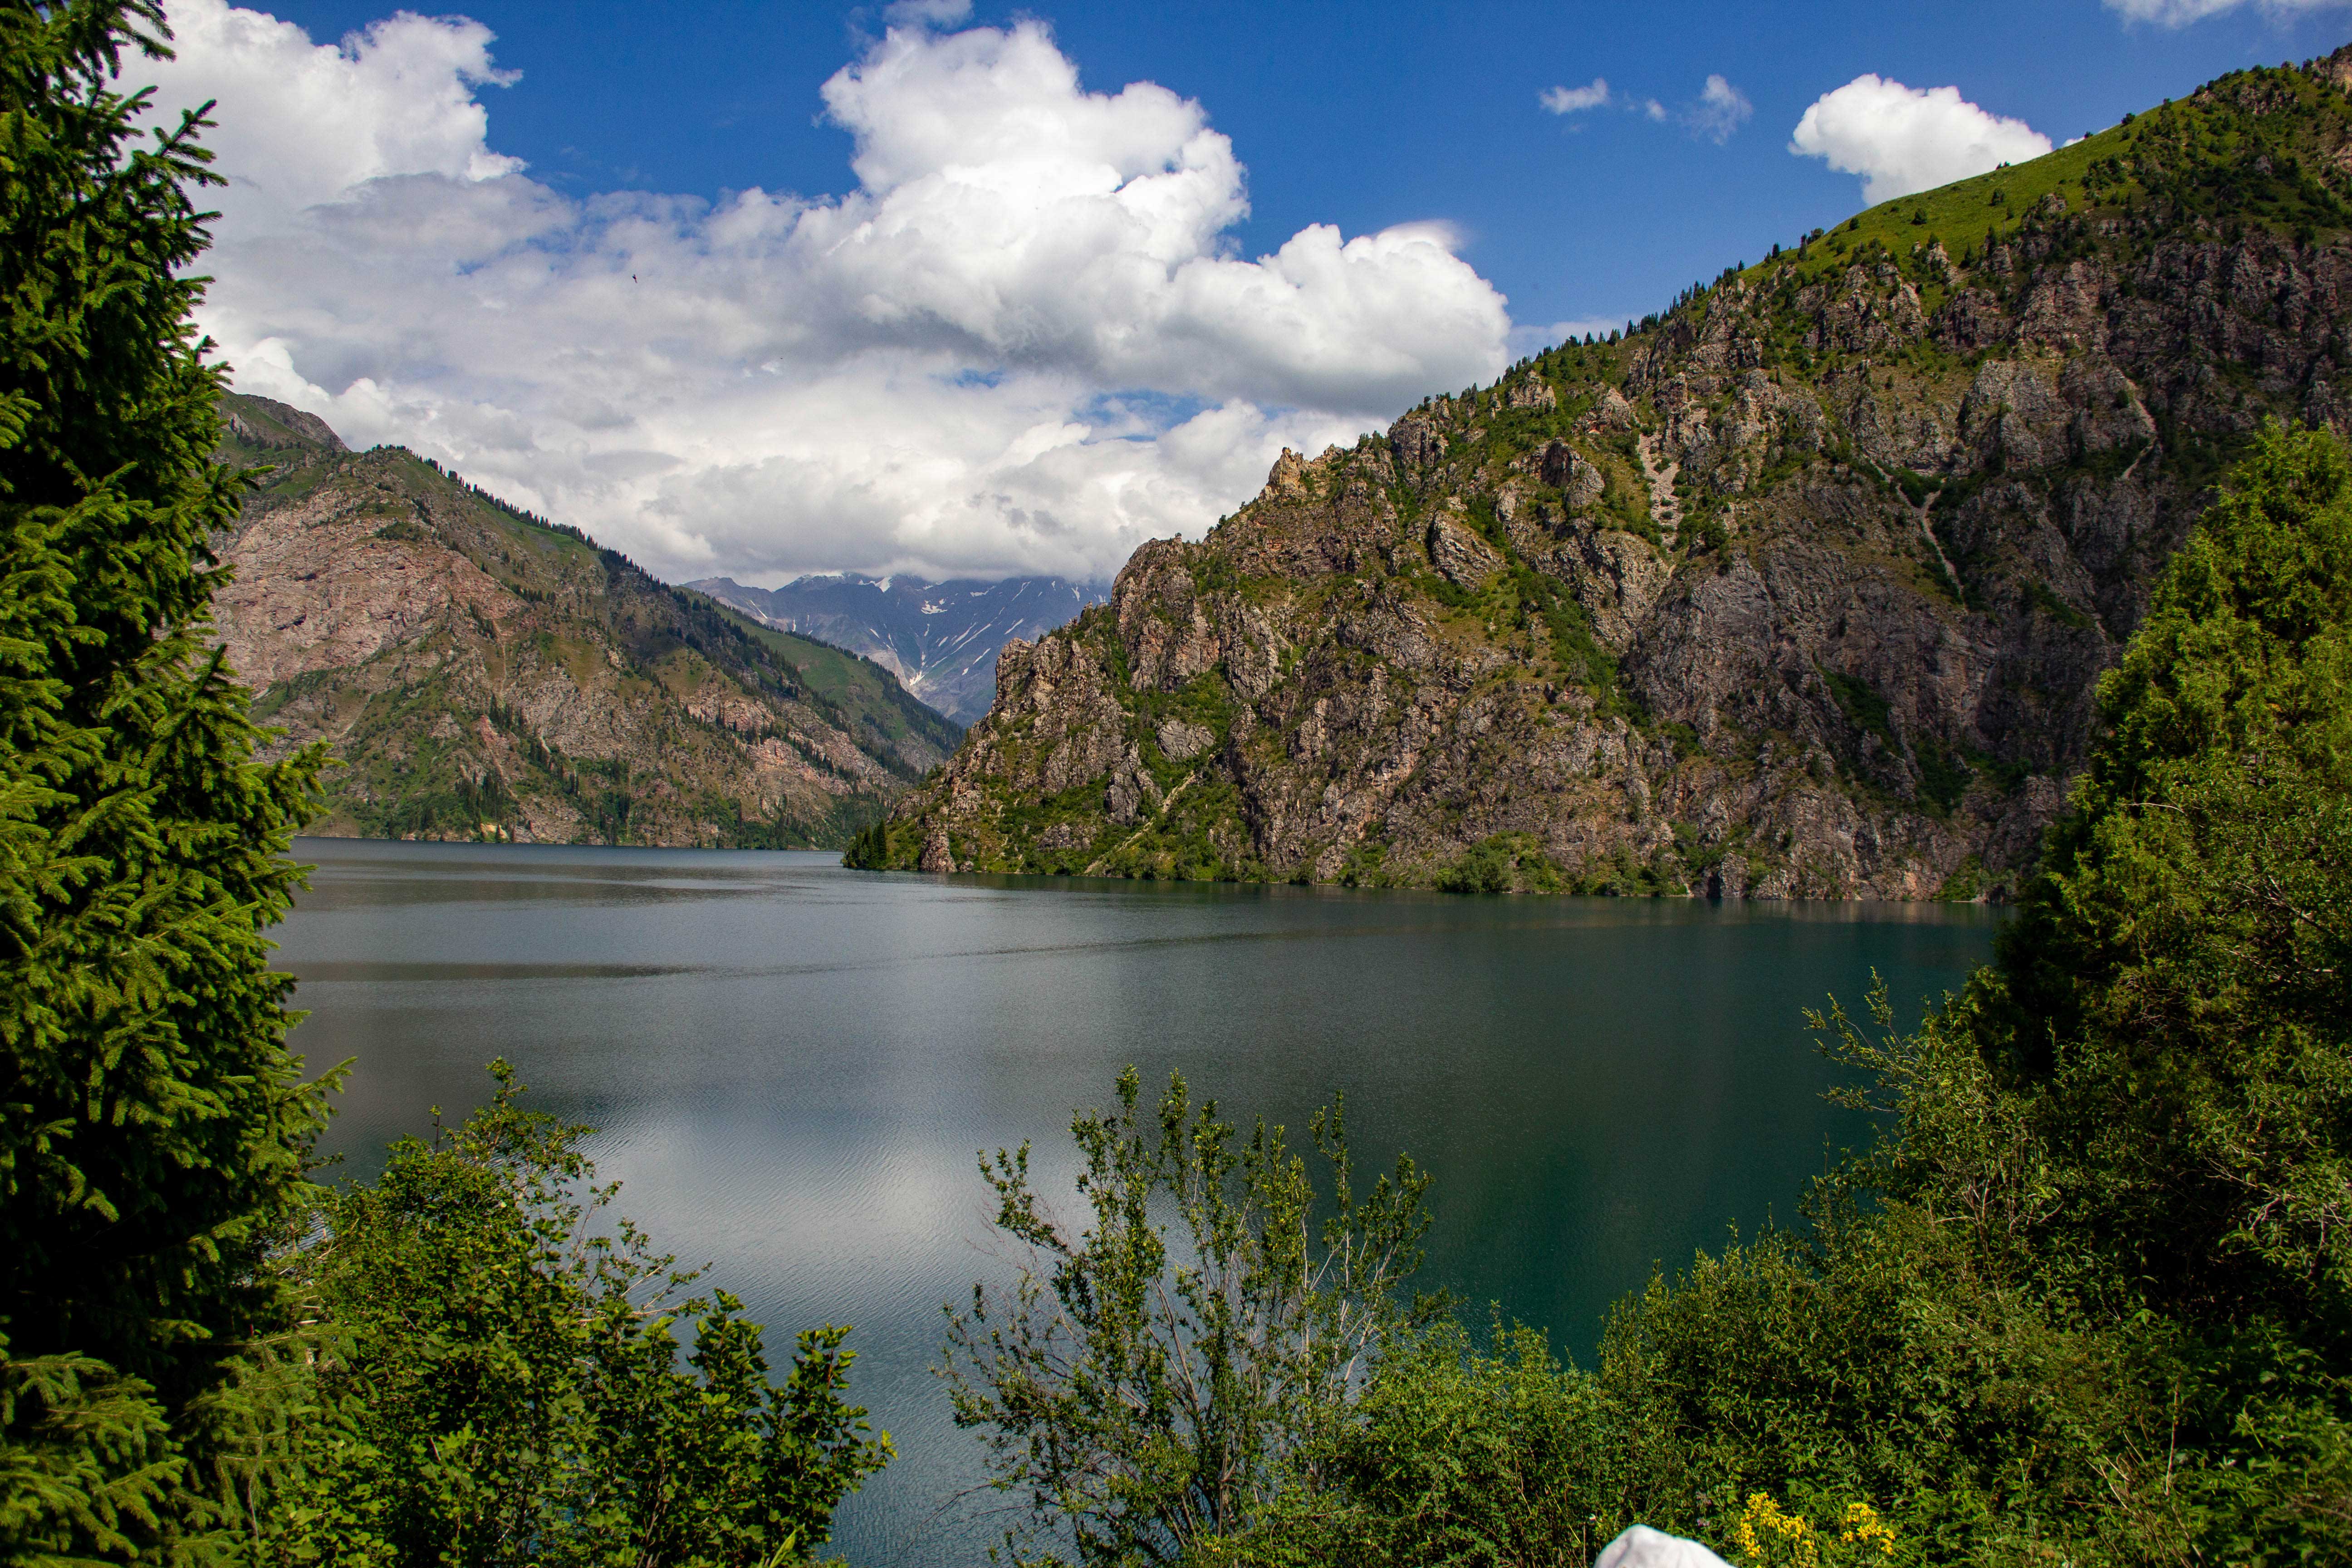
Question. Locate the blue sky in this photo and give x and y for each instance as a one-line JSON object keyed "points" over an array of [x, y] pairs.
{"points": [[766, 290], [1371, 114]]}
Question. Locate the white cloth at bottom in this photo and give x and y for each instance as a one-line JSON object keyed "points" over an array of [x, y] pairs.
{"points": [[1642, 1547]]}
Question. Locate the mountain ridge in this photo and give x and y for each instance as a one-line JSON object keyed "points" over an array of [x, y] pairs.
{"points": [[1802, 588], [940, 639], [484, 673]]}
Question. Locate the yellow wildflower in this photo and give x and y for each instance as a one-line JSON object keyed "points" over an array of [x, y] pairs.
{"points": [[1769, 1536], [1867, 1531]]}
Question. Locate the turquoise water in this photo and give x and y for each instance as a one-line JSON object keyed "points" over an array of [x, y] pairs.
{"points": [[792, 1066]]}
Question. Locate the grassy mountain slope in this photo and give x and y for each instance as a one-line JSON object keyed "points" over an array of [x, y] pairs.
{"points": [[481, 673], [1800, 587]]}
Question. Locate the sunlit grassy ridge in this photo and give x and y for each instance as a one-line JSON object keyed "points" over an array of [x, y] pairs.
{"points": [[2243, 148]]}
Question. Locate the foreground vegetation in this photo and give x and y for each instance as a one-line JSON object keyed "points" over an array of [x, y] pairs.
{"points": [[2088, 1299], [2084, 1302], [203, 1357]]}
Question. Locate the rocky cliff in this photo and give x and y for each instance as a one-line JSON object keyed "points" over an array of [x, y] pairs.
{"points": [[1801, 588], [482, 674]]}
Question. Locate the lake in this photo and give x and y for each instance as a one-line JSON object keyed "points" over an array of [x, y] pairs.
{"points": [[792, 1066]]}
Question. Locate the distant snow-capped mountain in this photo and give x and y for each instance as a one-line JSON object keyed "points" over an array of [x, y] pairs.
{"points": [[940, 638]]}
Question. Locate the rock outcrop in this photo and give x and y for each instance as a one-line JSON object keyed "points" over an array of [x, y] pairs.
{"points": [[1802, 589], [481, 674]]}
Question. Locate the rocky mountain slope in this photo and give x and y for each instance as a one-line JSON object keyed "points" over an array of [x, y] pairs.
{"points": [[1801, 588], [482, 674], [941, 640]]}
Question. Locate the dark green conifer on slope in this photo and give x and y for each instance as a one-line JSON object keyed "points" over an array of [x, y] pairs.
{"points": [[2097, 1298], [154, 1128], [2176, 999]]}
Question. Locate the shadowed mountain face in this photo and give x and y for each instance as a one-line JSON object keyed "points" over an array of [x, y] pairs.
{"points": [[480, 673], [1803, 588], [940, 639]]}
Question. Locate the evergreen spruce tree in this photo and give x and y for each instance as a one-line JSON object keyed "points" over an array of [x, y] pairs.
{"points": [[155, 1129]]}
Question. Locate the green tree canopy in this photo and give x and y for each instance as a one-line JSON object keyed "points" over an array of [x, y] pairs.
{"points": [[2087, 1298], [156, 1127], [499, 1379], [2175, 1006], [1152, 1386]]}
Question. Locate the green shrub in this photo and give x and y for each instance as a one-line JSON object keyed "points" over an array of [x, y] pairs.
{"points": [[1503, 863], [1485, 867], [1147, 1385], [497, 1382]]}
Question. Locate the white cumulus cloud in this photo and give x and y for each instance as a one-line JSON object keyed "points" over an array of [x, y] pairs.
{"points": [[1721, 109], [1576, 99], [299, 124], [2181, 13], [1903, 140], [1022, 341]]}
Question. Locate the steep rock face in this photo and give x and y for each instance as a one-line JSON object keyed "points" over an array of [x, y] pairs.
{"points": [[480, 674], [1802, 589]]}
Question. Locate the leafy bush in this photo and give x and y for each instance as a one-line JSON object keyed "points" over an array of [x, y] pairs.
{"points": [[1487, 867], [497, 1382], [1458, 1452], [1503, 863], [1148, 1395]]}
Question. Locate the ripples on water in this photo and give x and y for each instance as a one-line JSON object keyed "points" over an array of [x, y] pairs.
{"points": [[792, 1066]]}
